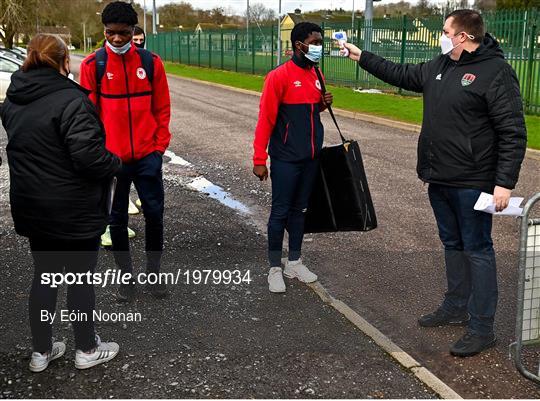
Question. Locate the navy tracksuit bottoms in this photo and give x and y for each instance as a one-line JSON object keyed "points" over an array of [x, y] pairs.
{"points": [[292, 183]]}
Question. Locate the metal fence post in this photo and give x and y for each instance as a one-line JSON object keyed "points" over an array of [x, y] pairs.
{"points": [[530, 63], [271, 46], [222, 51], [180, 47], [165, 45], [210, 49], [236, 51], [403, 43], [189, 48], [252, 51], [322, 58], [357, 37], [199, 50]]}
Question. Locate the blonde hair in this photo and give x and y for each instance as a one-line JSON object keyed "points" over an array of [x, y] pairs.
{"points": [[46, 50]]}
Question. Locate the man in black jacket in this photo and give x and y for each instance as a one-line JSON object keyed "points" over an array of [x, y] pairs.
{"points": [[473, 139]]}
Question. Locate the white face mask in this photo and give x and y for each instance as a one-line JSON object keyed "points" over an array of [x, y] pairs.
{"points": [[119, 50], [446, 43], [314, 53]]}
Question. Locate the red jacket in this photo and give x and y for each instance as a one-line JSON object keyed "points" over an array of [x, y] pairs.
{"points": [[135, 112], [289, 116]]}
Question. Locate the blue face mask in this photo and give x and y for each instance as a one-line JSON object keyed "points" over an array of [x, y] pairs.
{"points": [[314, 53], [119, 50]]}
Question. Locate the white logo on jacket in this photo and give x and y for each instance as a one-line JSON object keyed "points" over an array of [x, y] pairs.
{"points": [[110, 75], [439, 77], [141, 73], [318, 84], [297, 84]]}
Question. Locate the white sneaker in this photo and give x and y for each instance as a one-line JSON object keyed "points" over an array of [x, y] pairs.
{"points": [[275, 280], [296, 269], [103, 352], [132, 209], [39, 361]]}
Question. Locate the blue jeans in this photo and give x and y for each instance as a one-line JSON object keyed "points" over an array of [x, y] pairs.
{"points": [[147, 176], [292, 184], [470, 259]]}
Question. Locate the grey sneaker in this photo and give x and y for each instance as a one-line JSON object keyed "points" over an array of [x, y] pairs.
{"points": [[275, 280], [39, 361], [103, 352], [296, 269]]}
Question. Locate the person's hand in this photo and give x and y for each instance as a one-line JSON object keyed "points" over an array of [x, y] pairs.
{"points": [[354, 52], [328, 99], [501, 198], [261, 172]]}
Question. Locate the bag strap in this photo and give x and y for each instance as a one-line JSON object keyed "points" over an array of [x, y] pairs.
{"points": [[101, 66], [323, 91]]}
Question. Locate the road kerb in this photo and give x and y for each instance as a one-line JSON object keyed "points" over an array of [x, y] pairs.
{"points": [[403, 358], [436, 384]]}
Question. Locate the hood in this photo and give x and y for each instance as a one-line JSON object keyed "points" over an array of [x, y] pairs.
{"points": [[489, 48], [26, 87]]}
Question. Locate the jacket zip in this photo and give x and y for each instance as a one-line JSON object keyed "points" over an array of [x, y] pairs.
{"points": [[286, 133], [312, 133], [129, 109]]}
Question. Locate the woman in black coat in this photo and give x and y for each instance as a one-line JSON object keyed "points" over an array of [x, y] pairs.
{"points": [[60, 175]]}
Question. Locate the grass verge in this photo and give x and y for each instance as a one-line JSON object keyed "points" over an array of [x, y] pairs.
{"points": [[401, 108]]}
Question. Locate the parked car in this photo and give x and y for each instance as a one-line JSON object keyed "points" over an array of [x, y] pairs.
{"points": [[12, 54], [21, 50], [7, 67]]}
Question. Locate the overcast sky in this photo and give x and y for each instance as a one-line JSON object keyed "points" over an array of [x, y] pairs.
{"points": [[239, 6]]}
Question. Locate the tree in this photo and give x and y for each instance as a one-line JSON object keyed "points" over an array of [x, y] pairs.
{"points": [[17, 17], [392, 9], [424, 9], [485, 5], [217, 15], [260, 14], [173, 15], [522, 4]]}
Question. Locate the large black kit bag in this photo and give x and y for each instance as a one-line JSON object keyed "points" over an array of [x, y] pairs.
{"points": [[340, 200]]}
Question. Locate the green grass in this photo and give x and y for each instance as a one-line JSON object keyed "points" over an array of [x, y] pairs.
{"points": [[401, 108]]}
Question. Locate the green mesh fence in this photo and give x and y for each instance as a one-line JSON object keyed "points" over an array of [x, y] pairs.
{"points": [[403, 40]]}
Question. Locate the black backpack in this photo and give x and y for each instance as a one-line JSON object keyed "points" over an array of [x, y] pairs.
{"points": [[147, 61]]}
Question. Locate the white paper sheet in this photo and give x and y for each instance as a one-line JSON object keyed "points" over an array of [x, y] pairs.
{"points": [[485, 204]]}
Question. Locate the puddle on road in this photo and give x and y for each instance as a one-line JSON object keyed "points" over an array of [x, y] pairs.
{"points": [[201, 184]]}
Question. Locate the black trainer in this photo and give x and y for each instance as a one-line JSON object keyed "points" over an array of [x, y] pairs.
{"points": [[442, 318], [472, 344], [126, 292]]}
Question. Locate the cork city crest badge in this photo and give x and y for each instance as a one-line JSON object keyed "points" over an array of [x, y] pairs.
{"points": [[467, 79]]}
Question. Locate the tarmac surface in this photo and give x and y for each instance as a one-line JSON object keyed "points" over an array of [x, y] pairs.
{"points": [[204, 340], [390, 276]]}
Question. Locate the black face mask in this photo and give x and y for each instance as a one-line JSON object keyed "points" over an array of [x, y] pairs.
{"points": [[140, 45]]}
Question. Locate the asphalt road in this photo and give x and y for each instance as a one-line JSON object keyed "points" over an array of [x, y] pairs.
{"points": [[204, 341], [390, 276]]}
